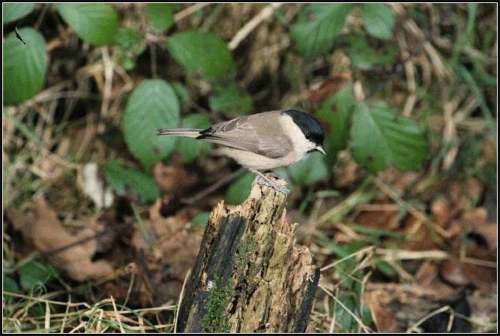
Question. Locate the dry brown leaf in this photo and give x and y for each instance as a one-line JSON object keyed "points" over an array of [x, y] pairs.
{"points": [[420, 235], [328, 87], [453, 271], [379, 219], [167, 242], [345, 171], [477, 220], [489, 151], [399, 181], [173, 179], [441, 212], [383, 318], [47, 234], [426, 273]]}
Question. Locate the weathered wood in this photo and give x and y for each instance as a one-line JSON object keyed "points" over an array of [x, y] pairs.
{"points": [[250, 276]]}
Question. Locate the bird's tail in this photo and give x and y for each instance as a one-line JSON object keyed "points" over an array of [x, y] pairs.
{"points": [[180, 132]]}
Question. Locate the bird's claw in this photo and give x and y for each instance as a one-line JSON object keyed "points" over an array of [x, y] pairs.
{"points": [[263, 179]]}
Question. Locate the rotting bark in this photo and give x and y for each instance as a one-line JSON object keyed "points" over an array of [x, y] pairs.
{"points": [[250, 276]]}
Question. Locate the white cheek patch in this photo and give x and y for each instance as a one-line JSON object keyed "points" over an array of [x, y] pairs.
{"points": [[301, 145]]}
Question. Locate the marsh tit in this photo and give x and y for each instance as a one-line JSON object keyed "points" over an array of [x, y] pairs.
{"points": [[263, 141]]}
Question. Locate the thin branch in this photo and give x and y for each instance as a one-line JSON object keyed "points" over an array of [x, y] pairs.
{"points": [[252, 24]]}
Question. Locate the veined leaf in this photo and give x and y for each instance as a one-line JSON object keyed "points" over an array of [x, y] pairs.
{"points": [[25, 65], [190, 149], [152, 105], [231, 101], [94, 23], [16, 11], [121, 178], [316, 37], [337, 112], [378, 20], [201, 52], [159, 16], [380, 139]]}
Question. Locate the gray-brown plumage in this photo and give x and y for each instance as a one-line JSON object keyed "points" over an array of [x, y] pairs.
{"points": [[262, 141]]}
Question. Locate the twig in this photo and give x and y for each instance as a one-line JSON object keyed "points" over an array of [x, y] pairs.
{"points": [[189, 10], [108, 81], [425, 318], [390, 255], [362, 251], [252, 24], [181, 296], [118, 319], [361, 324]]}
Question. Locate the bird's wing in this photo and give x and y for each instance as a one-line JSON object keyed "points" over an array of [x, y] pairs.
{"points": [[251, 133]]}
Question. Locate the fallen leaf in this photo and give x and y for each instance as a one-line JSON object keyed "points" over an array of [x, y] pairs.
{"points": [[398, 180], [477, 220], [426, 273], [453, 272], [167, 243], [173, 179], [328, 87], [71, 253], [345, 171], [383, 318], [441, 212]]}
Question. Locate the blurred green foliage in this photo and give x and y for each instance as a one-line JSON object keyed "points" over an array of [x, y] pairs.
{"points": [[152, 105], [25, 65], [124, 180], [159, 16], [16, 11], [375, 133], [93, 23]]}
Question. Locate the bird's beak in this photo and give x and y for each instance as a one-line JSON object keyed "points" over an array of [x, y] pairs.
{"points": [[320, 149]]}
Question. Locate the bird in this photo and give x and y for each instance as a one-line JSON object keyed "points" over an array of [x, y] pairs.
{"points": [[262, 141]]}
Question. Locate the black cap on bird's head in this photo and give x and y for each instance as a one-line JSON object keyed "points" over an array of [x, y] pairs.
{"points": [[310, 126]]}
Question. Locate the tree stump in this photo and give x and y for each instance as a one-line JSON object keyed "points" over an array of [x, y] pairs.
{"points": [[249, 275]]}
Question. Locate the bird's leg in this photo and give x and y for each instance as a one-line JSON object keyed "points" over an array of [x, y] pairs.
{"points": [[263, 179]]}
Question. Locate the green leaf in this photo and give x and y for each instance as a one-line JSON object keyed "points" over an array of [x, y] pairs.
{"points": [[24, 67], [384, 267], [380, 138], [231, 101], [10, 285], [310, 170], [152, 105], [128, 38], [122, 179], [159, 16], [15, 11], [378, 20], [316, 37], [190, 149], [33, 273], [365, 57], [93, 23], [201, 52], [182, 92], [343, 316], [240, 189], [337, 112], [200, 219], [131, 44]]}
